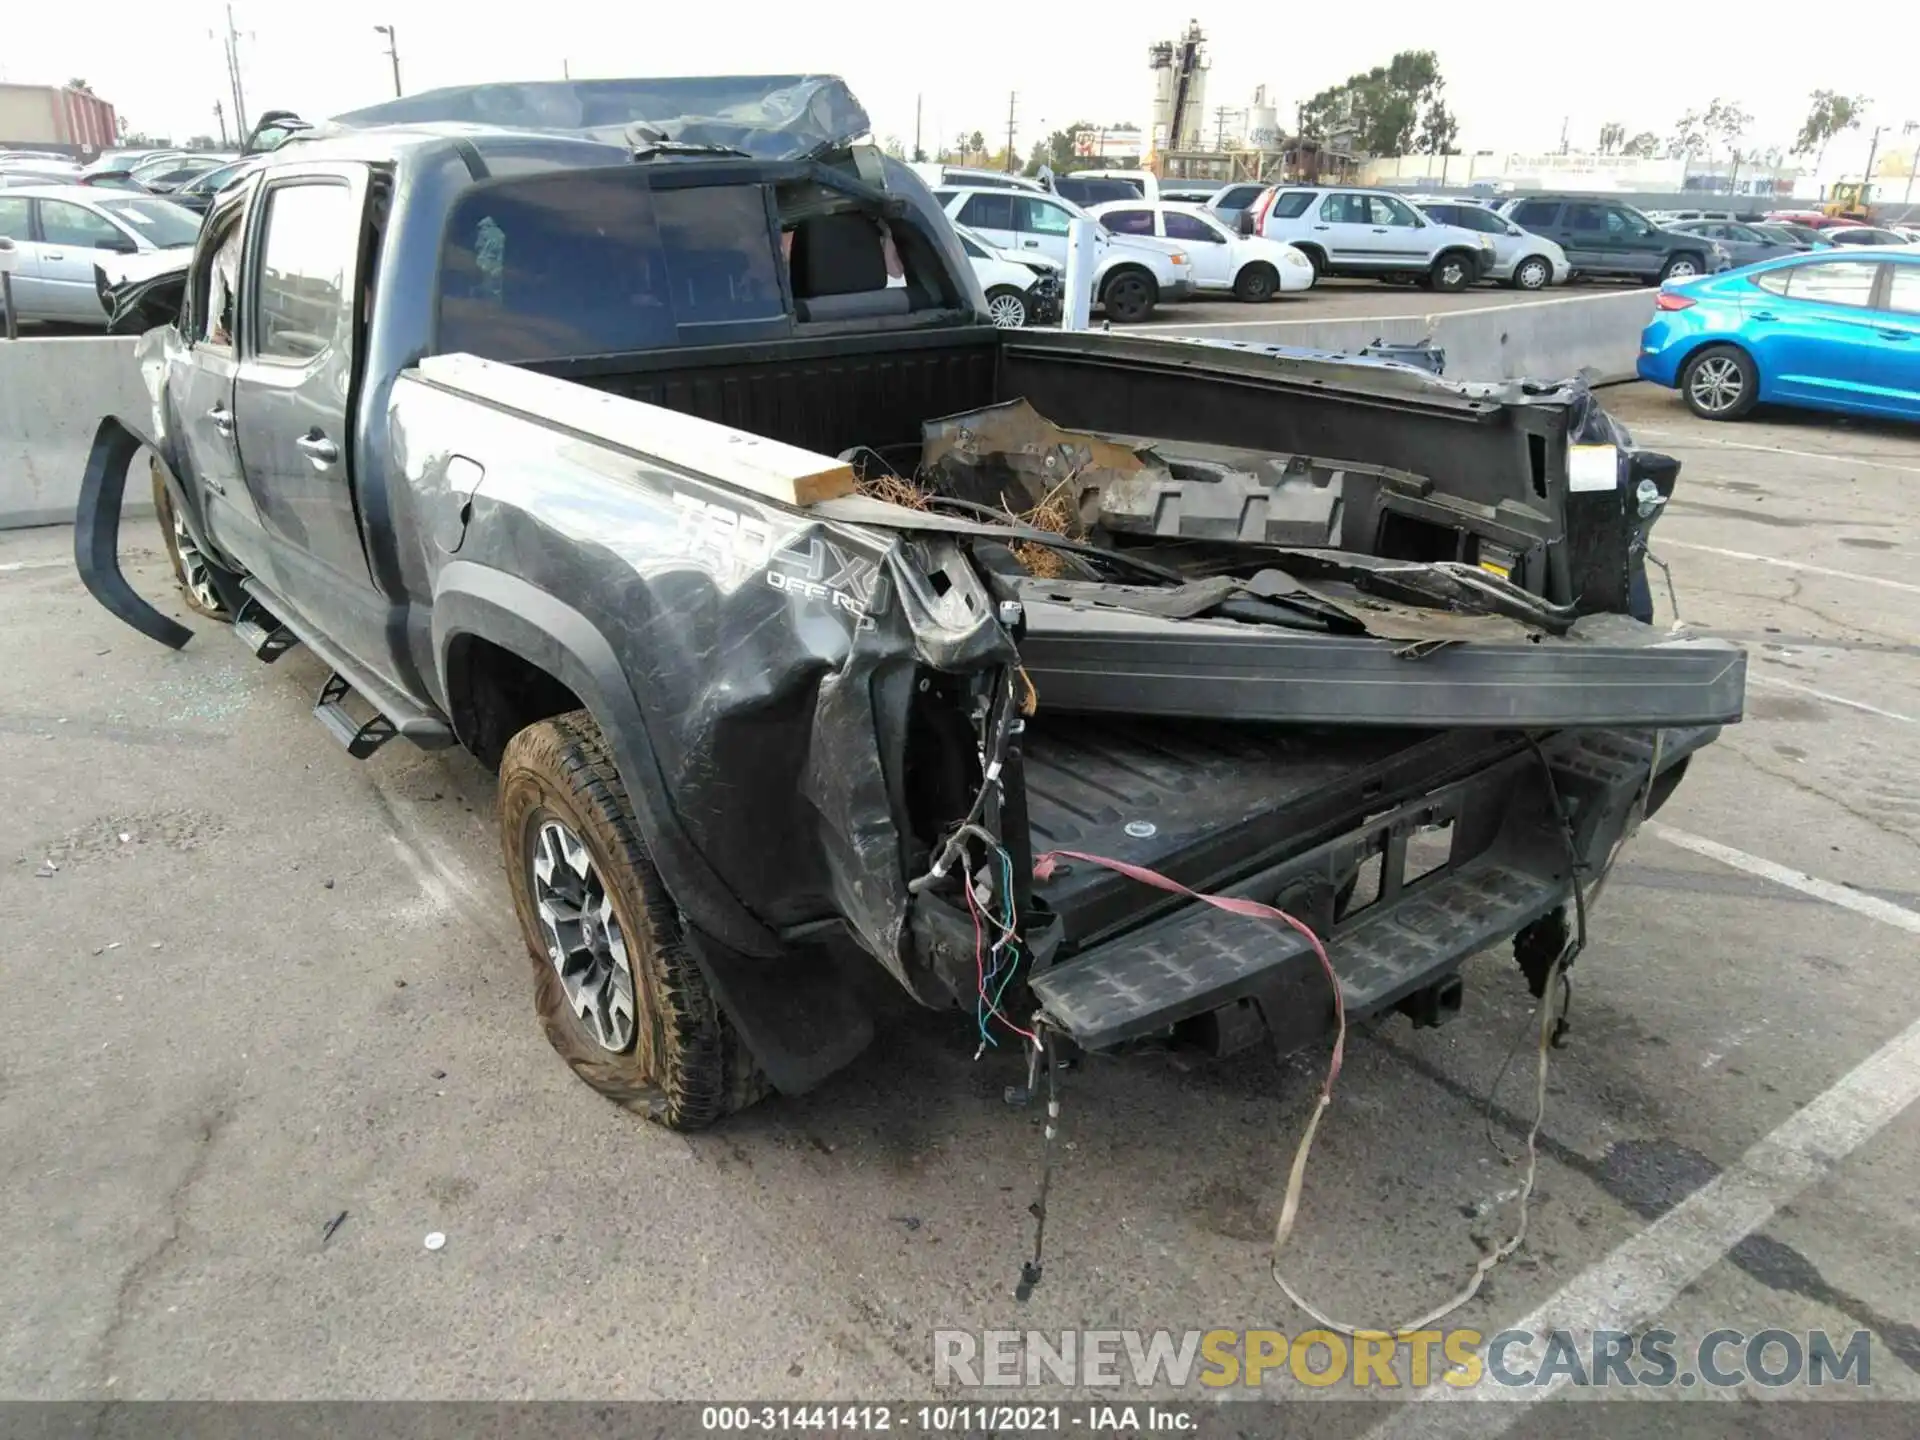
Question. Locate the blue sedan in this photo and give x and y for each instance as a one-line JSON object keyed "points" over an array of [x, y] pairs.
{"points": [[1830, 330]]}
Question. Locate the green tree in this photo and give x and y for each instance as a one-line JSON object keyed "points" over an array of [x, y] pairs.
{"points": [[1646, 144], [80, 85], [1612, 136], [1689, 136], [894, 146], [1382, 107], [1725, 122], [1827, 116], [976, 144], [1438, 131]]}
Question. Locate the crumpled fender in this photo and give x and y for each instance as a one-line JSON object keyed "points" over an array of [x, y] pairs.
{"points": [[96, 532]]}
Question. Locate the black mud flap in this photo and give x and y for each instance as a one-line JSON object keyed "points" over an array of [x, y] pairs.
{"points": [[96, 535]]}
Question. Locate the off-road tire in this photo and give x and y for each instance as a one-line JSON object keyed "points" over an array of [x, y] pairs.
{"points": [[1256, 283], [206, 603], [686, 1066]]}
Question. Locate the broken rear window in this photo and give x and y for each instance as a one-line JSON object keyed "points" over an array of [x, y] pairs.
{"points": [[595, 263]]}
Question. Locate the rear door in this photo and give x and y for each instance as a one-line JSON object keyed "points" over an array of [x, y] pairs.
{"points": [[1816, 335], [1042, 224], [990, 216], [1343, 221], [1898, 328], [301, 298], [72, 238], [1588, 243]]}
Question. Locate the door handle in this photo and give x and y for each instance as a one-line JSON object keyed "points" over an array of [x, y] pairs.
{"points": [[1894, 334], [1379, 229], [54, 255], [1764, 315], [1323, 227], [319, 449], [1030, 244], [222, 419]]}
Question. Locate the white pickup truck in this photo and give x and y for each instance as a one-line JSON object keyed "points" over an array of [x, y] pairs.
{"points": [[1132, 275]]}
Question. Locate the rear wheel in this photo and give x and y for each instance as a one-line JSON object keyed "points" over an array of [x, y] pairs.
{"points": [[1532, 273], [1256, 282], [1128, 298], [1007, 306], [191, 569], [1450, 273], [1720, 383], [615, 986]]}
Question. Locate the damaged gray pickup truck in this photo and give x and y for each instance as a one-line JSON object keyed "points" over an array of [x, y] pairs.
{"points": [[650, 440]]}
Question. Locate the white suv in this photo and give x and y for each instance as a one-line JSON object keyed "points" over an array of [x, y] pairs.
{"points": [[1347, 231], [1131, 275]]}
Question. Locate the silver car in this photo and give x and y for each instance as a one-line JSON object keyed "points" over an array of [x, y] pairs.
{"points": [[1520, 258], [60, 231]]}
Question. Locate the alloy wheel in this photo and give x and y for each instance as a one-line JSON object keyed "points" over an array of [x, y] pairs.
{"points": [[583, 935], [1717, 384], [198, 575], [1009, 312]]}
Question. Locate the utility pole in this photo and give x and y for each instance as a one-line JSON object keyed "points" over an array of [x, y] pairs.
{"points": [[1013, 99], [393, 54], [1563, 133], [1220, 127], [916, 127], [233, 78], [1913, 162], [220, 118], [1866, 176]]}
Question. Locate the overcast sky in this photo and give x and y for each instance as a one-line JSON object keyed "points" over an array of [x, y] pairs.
{"points": [[160, 63]]}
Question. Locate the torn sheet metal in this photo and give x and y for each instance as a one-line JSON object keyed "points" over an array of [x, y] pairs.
{"points": [[769, 117], [1011, 458]]}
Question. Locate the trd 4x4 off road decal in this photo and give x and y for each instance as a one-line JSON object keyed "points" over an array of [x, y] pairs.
{"points": [[819, 569]]}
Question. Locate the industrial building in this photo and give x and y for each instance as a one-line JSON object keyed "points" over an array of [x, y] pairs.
{"points": [[56, 117]]}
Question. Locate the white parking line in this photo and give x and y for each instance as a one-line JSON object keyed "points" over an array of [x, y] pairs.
{"points": [[1874, 908], [1666, 544], [8, 567], [1832, 459], [1775, 683], [1644, 1276]]}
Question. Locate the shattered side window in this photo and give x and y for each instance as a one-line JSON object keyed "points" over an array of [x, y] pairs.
{"points": [[583, 263]]}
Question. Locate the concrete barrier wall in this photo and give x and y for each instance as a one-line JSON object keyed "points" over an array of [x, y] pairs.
{"points": [[1538, 339], [52, 395]]}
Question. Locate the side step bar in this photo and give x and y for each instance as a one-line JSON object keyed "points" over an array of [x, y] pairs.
{"points": [[393, 713], [261, 632], [360, 738]]}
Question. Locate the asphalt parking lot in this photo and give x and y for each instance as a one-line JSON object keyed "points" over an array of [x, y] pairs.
{"points": [[253, 987]]}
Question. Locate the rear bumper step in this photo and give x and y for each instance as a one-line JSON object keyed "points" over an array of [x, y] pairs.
{"points": [[1200, 958], [1501, 866]]}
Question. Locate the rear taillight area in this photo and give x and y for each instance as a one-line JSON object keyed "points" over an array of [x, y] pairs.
{"points": [[1668, 300]]}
